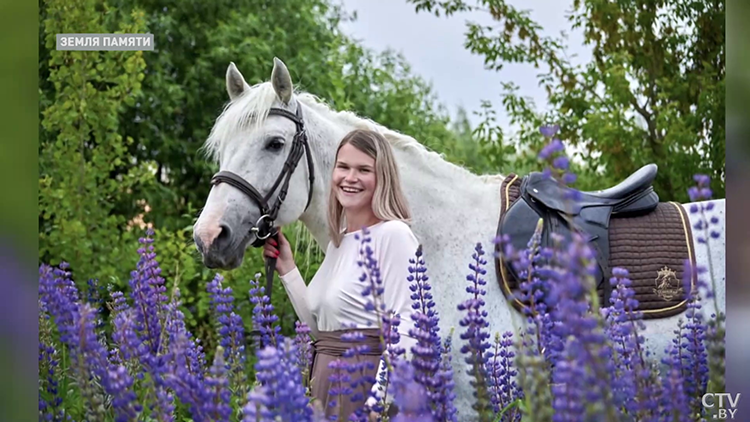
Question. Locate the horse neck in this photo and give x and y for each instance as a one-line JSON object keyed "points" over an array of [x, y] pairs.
{"points": [[444, 197]]}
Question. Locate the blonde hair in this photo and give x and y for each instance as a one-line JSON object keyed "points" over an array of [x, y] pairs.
{"points": [[388, 200]]}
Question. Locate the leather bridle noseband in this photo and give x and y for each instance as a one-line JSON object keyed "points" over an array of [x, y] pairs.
{"points": [[264, 227]]}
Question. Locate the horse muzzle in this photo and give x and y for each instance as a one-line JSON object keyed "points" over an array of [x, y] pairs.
{"points": [[218, 247]]}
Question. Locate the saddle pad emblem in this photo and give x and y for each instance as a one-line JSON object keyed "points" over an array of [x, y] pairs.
{"points": [[667, 285]]}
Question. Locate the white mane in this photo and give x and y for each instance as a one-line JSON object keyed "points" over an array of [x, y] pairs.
{"points": [[253, 106]]}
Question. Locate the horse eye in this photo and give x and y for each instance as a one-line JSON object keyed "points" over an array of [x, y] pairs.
{"points": [[275, 144]]}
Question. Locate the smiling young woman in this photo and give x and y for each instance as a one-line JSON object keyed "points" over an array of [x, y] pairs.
{"points": [[365, 191]]}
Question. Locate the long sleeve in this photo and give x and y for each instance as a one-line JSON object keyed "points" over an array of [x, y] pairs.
{"points": [[296, 289], [397, 247]]}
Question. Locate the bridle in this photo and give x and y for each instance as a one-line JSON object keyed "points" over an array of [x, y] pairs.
{"points": [[264, 227]]}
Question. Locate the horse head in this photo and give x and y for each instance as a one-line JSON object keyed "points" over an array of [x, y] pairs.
{"points": [[260, 144]]}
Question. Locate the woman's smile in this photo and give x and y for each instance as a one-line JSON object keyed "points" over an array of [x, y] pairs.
{"points": [[350, 190]]}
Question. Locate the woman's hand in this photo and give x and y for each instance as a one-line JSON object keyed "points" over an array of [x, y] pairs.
{"points": [[282, 251]]}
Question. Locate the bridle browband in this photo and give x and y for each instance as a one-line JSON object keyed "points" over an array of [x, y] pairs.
{"points": [[264, 227]]}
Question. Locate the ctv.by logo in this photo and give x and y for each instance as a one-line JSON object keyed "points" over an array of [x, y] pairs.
{"points": [[710, 400]]}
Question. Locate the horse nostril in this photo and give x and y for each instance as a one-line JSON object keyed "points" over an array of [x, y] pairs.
{"points": [[224, 237]]}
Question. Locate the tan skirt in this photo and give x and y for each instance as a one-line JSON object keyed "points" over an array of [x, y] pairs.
{"points": [[328, 348]]}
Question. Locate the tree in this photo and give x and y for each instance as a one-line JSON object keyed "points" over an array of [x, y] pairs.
{"points": [[82, 143], [654, 91]]}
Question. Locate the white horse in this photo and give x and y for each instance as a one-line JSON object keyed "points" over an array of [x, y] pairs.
{"points": [[453, 209]]}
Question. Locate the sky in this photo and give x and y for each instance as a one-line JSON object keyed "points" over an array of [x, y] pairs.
{"points": [[433, 46]]}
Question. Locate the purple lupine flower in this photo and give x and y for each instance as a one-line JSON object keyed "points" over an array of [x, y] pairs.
{"points": [[568, 396], [561, 162], [164, 407], [553, 155], [48, 364], [530, 266], [76, 324], [391, 336], [393, 352], [221, 298], [340, 389], [426, 353], [700, 192], [634, 382], [444, 397], [583, 373], [119, 302], [187, 375], [256, 408], [59, 296], [195, 362], [476, 347], [553, 147], [232, 332], [353, 378], [280, 395], [409, 395], [370, 276], [263, 316], [358, 370], [674, 403], [231, 329], [693, 357], [187, 381], [501, 372], [120, 385], [217, 407], [303, 344], [116, 305], [549, 131], [147, 290], [131, 349], [95, 298], [708, 228], [91, 356], [570, 178], [388, 320], [187, 363]]}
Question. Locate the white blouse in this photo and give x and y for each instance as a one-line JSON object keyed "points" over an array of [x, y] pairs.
{"points": [[333, 300]]}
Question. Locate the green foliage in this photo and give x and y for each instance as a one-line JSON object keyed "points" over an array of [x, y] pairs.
{"points": [[82, 145], [654, 91]]}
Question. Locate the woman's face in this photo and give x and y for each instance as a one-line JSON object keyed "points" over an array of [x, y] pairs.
{"points": [[354, 178]]}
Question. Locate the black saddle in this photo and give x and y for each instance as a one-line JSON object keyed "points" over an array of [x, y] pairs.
{"points": [[542, 197]]}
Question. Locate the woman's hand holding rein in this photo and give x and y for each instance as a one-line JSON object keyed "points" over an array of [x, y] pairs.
{"points": [[282, 251]]}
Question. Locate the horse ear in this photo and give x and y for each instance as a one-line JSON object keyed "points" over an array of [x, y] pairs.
{"points": [[282, 81], [236, 84]]}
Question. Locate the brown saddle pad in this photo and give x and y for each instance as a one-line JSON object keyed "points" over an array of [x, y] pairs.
{"points": [[652, 247]]}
